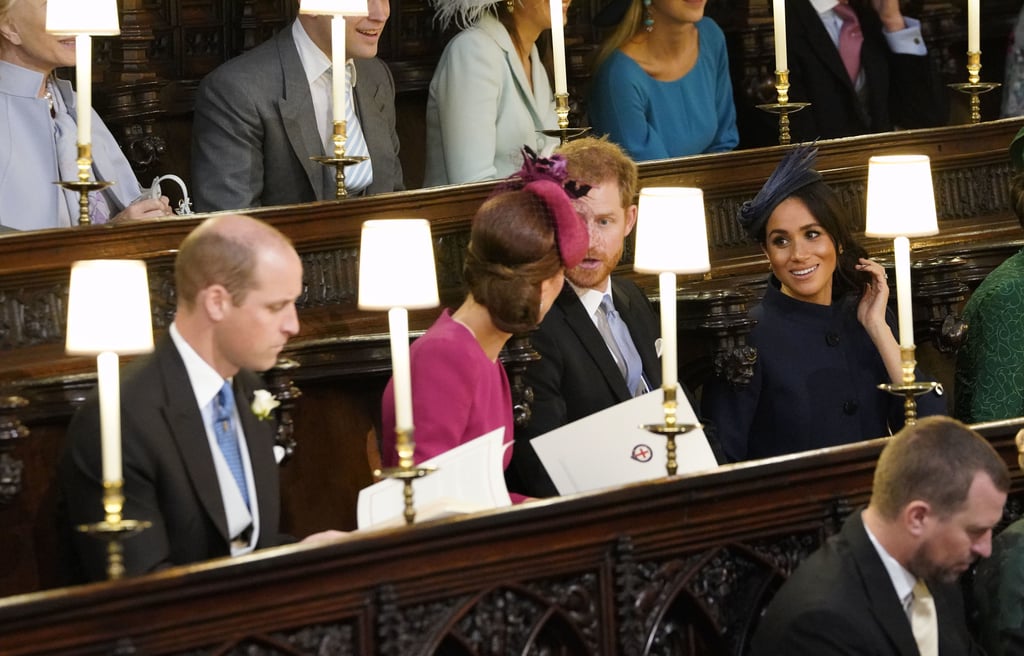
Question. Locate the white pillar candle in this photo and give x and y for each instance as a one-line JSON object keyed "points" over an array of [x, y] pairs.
{"points": [[901, 246], [83, 78], [339, 90], [667, 289], [973, 25], [108, 380], [558, 46], [779, 11], [401, 383]]}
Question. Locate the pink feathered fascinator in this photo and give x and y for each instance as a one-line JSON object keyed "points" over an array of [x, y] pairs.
{"points": [[548, 179]]}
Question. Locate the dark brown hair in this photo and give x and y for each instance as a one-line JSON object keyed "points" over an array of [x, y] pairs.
{"points": [[825, 206], [511, 252]]}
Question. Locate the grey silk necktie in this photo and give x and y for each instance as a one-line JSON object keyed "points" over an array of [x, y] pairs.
{"points": [[616, 335]]}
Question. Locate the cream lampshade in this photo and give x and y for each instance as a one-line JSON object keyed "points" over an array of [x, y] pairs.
{"points": [[96, 17], [901, 204], [671, 238], [109, 314], [397, 273], [901, 200], [334, 7]]}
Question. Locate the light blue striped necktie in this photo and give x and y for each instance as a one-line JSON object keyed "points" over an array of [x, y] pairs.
{"points": [[227, 437], [358, 176]]}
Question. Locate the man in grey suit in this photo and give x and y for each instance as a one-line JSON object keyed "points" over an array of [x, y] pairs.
{"points": [[261, 116], [197, 450]]}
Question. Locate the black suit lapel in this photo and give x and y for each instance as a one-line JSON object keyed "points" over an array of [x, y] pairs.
{"points": [[296, 106], [885, 606], [580, 323], [806, 23], [185, 424]]}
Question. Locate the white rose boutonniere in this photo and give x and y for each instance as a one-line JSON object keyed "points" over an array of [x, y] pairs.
{"points": [[263, 403]]}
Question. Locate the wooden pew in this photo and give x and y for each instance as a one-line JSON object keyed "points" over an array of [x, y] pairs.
{"points": [[680, 566], [342, 352]]}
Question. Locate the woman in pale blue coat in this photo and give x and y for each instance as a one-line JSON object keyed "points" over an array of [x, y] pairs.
{"points": [[34, 107], [490, 93]]}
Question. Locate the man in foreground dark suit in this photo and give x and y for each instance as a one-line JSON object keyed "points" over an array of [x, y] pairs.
{"points": [[260, 116], [577, 374], [237, 280], [938, 491]]}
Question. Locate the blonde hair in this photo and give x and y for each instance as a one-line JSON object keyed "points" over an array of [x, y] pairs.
{"points": [[631, 23]]}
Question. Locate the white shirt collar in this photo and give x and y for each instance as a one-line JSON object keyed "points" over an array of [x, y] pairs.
{"points": [[206, 382], [314, 61], [591, 298], [822, 6], [902, 580]]}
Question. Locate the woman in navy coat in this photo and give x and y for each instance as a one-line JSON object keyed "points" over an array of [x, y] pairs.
{"points": [[824, 336]]}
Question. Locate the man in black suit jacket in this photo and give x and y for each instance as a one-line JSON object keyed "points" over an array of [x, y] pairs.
{"points": [[895, 89], [576, 374], [237, 280], [255, 126], [939, 489]]}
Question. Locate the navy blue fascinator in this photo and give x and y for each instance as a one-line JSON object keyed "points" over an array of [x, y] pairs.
{"points": [[795, 171]]}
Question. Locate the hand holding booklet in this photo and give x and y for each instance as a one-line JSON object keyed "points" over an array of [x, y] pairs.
{"points": [[610, 448], [469, 478]]}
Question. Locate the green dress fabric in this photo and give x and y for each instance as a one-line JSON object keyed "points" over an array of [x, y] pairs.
{"points": [[990, 364], [999, 594]]}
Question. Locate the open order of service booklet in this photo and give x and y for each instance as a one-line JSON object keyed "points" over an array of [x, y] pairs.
{"points": [[610, 447], [469, 478]]}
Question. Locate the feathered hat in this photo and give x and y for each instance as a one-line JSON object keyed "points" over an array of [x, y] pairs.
{"points": [[795, 171], [463, 13], [548, 179]]}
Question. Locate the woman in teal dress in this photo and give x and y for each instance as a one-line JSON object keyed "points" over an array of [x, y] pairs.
{"points": [[661, 87]]}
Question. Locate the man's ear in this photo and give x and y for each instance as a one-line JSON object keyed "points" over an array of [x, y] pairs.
{"points": [[215, 301], [630, 219], [914, 516]]}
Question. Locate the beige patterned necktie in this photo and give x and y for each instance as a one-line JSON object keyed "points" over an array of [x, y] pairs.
{"points": [[923, 621]]}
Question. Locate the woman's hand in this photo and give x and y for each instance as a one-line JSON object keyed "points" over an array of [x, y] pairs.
{"points": [[871, 315], [145, 208], [871, 309]]}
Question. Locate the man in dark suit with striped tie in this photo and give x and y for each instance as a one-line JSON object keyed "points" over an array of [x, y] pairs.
{"points": [[197, 444]]}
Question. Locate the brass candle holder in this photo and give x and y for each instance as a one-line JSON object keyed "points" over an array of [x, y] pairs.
{"points": [[406, 471], [974, 86], [564, 132], [114, 528], [909, 387], [783, 107], [84, 185], [340, 160], [670, 429]]}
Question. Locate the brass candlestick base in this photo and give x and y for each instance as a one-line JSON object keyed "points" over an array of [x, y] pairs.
{"points": [[405, 471], [564, 132], [783, 107], [114, 529], [974, 85], [83, 185], [340, 159], [670, 429], [910, 388]]}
